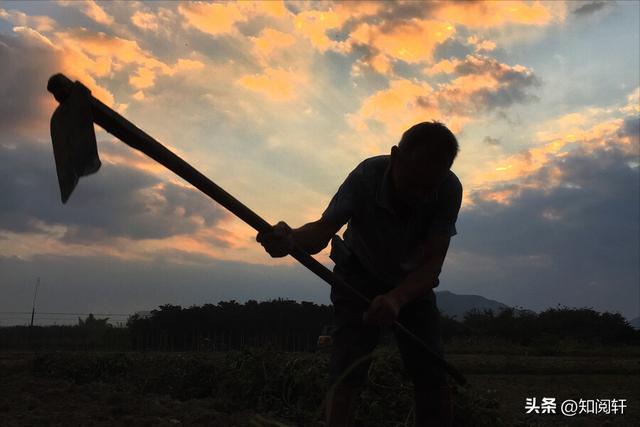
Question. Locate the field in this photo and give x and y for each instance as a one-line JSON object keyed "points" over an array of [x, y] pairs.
{"points": [[263, 387]]}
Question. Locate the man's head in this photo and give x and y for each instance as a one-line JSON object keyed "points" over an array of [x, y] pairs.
{"points": [[421, 161]]}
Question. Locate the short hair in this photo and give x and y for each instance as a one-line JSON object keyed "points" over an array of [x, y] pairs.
{"points": [[435, 136]]}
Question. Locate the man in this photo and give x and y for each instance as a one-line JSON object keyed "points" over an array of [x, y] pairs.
{"points": [[401, 211]]}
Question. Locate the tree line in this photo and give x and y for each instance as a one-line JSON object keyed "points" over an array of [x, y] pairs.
{"points": [[282, 324], [295, 326]]}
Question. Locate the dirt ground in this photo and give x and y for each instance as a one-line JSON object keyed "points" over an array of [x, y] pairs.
{"points": [[28, 399]]}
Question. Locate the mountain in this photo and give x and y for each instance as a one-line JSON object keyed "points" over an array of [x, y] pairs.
{"points": [[454, 305]]}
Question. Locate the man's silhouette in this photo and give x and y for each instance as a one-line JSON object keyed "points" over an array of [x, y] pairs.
{"points": [[401, 211]]}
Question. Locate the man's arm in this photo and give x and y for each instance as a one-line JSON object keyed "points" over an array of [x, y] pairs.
{"points": [[384, 308], [418, 282], [315, 236], [312, 237]]}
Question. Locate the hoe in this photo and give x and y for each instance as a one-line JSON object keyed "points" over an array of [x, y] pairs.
{"points": [[76, 155]]}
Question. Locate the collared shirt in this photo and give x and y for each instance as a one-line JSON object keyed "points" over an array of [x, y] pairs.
{"points": [[387, 243]]}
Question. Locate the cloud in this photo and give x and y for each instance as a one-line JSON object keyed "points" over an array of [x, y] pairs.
{"points": [[491, 141], [277, 84], [28, 62], [481, 84], [590, 131], [589, 8], [389, 112], [145, 21], [218, 19], [633, 102], [212, 18], [485, 84], [110, 284], [118, 201], [412, 41], [452, 48], [40, 23], [91, 9], [490, 14], [88, 56], [316, 25], [481, 45], [568, 235], [270, 42], [631, 127]]}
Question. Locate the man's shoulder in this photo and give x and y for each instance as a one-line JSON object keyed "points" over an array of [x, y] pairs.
{"points": [[373, 167], [451, 187], [452, 183]]}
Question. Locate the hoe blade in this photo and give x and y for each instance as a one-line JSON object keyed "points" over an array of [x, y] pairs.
{"points": [[74, 140]]}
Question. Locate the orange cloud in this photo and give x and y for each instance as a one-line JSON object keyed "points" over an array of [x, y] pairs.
{"points": [[411, 41], [144, 20], [221, 18], [481, 45], [488, 14], [587, 130], [212, 18], [446, 66], [160, 20], [271, 41], [380, 63], [383, 116], [276, 84], [143, 78], [274, 8], [86, 56], [131, 158], [390, 35], [314, 24], [185, 65], [482, 84]]}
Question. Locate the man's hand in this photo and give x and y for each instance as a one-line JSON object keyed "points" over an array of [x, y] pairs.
{"points": [[383, 310], [279, 241]]}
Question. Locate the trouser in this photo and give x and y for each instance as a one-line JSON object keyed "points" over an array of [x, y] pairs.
{"points": [[353, 339]]}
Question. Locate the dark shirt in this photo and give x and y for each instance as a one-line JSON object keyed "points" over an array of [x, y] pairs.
{"points": [[390, 244]]}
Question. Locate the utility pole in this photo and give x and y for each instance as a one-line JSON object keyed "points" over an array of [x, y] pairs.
{"points": [[35, 294]]}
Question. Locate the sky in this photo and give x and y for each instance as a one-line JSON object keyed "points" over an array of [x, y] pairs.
{"points": [[278, 102]]}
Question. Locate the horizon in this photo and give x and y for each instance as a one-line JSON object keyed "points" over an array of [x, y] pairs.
{"points": [[120, 319], [278, 102]]}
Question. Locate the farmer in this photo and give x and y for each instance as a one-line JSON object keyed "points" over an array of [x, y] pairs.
{"points": [[401, 211]]}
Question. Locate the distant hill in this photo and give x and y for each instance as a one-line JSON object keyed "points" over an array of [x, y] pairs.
{"points": [[635, 323], [455, 305]]}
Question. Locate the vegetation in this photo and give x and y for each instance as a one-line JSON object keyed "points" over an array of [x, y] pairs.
{"points": [[290, 326], [181, 377], [287, 386], [282, 324], [552, 325]]}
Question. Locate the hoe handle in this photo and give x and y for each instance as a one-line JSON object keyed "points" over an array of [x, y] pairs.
{"points": [[60, 86]]}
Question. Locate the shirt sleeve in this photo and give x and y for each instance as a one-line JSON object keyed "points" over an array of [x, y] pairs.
{"points": [[447, 207], [344, 203]]}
